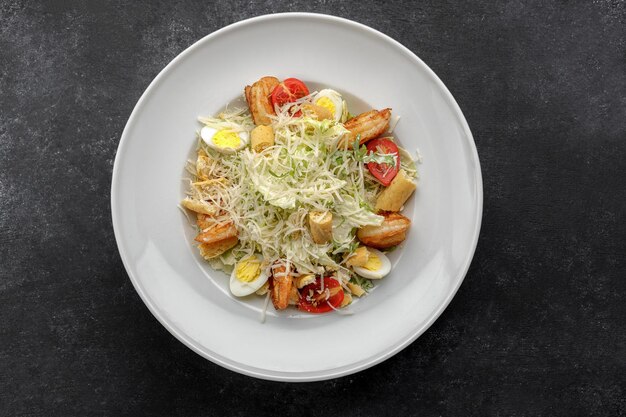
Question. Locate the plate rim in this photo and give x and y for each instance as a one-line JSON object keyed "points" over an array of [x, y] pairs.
{"points": [[308, 376]]}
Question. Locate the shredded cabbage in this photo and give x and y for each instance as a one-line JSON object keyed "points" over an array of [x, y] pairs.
{"points": [[268, 195]]}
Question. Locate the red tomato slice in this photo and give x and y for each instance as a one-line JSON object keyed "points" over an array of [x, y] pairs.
{"points": [[384, 173], [290, 90], [314, 300]]}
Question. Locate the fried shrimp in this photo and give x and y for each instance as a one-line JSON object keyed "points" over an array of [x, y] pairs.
{"points": [[390, 233], [367, 126], [258, 98]]}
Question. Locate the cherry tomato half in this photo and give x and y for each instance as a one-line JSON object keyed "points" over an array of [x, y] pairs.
{"points": [[314, 300], [290, 90], [384, 173]]}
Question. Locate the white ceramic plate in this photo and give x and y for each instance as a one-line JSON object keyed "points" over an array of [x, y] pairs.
{"points": [[192, 301]]}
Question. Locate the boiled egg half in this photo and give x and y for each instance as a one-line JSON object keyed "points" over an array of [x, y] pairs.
{"points": [[330, 100], [248, 276], [224, 140], [376, 267]]}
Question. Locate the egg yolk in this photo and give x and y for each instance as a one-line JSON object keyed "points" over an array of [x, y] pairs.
{"points": [[326, 103], [226, 139], [248, 270], [373, 263]]}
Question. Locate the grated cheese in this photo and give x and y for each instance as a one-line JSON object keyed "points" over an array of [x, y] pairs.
{"points": [[268, 195]]}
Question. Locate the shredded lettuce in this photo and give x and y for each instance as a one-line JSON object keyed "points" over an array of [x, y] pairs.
{"points": [[364, 283], [268, 195]]}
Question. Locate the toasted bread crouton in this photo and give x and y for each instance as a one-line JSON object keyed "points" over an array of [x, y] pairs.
{"points": [[355, 289], [304, 280], [321, 225], [359, 257], [316, 112], [347, 299], [397, 193], [261, 137]]}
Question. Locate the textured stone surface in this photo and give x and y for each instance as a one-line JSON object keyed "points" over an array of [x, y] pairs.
{"points": [[538, 327]]}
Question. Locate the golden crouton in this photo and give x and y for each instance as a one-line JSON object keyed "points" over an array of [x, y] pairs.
{"points": [[347, 299], [321, 225], [368, 125], [199, 206], [359, 257], [355, 289], [390, 233], [258, 98], [262, 137], [304, 280], [395, 195], [217, 240], [316, 112]]}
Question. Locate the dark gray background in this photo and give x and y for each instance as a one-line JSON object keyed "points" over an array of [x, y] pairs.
{"points": [[537, 327]]}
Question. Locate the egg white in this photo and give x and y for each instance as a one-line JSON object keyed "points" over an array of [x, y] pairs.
{"points": [[207, 133], [381, 272], [336, 99], [241, 289]]}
